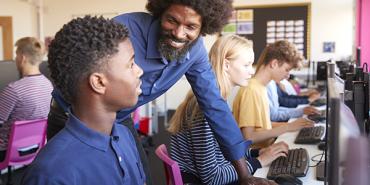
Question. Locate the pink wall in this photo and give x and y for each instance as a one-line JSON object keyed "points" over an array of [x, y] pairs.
{"points": [[363, 30]]}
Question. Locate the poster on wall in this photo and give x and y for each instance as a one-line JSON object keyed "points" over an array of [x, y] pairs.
{"points": [[230, 28], [245, 27], [241, 22], [244, 21], [245, 15], [290, 30], [329, 47]]}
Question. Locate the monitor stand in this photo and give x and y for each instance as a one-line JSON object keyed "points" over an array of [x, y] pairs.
{"points": [[320, 171]]}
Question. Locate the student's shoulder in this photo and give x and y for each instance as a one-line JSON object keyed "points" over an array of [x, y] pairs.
{"points": [[53, 164], [12, 86], [39, 175], [57, 151], [248, 90], [134, 17]]}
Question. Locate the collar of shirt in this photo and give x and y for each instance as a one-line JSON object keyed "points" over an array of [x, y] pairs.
{"points": [[89, 136], [152, 47]]}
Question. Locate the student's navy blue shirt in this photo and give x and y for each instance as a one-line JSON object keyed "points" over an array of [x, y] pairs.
{"points": [[160, 74], [79, 155], [290, 101]]}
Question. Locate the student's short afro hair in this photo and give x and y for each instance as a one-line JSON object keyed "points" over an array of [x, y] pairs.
{"points": [[215, 13], [81, 47]]}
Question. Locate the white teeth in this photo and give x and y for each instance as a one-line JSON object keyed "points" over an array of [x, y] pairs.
{"points": [[177, 44]]}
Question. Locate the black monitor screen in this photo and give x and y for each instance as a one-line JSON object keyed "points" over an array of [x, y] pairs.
{"points": [[8, 73], [341, 125]]}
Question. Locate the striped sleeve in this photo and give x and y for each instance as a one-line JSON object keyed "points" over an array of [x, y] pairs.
{"points": [[198, 152], [252, 162], [210, 170], [8, 100]]}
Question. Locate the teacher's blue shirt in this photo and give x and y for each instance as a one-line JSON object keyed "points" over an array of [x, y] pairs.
{"points": [[161, 74]]}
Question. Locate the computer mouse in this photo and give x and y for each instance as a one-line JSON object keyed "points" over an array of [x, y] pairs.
{"points": [[286, 179], [321, 146]]}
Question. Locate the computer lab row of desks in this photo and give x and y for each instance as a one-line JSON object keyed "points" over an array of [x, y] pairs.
{"points": [[314, 156]]}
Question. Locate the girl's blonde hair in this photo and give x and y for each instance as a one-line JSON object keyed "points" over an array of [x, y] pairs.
{"points": [[226, 47]]}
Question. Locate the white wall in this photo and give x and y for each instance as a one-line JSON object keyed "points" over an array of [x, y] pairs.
{"points": [[24, 17], [57, 13]]}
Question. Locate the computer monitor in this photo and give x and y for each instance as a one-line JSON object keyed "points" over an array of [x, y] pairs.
{"points": [[341, 125], [44, 69], [330, 69], [344, 67], [8, 73], [357, 162], [331, 73], [358, 104], [367, 103], [321, 71]]}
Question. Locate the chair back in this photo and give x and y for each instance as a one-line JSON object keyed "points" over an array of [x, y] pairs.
{"points": [[25, 140], [172, 169]]}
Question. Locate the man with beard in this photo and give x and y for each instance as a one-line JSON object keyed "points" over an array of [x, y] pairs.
{"points": [[167, 43]]}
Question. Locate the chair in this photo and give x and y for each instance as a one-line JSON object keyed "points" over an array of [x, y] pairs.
{"points": [[25, 140], [171, 168]]}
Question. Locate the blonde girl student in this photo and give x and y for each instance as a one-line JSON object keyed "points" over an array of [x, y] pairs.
{"points": [[194, 145]]}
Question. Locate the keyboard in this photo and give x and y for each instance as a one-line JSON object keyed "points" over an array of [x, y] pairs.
{"points": [[295, 164], [317, 118], [311, 135], [318, 102]]}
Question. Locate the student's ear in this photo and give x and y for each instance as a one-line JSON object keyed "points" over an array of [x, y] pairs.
{"points": [[226, 64], [274, 63], [98, 82], [23, 59]]}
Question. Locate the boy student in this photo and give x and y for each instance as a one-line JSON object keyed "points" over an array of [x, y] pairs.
{"points": [[29, 97], [279, 112], [91, 61], [168, 44], [193, 144], [251, 104]]}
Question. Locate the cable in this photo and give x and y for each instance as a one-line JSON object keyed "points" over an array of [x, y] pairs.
{"points": [[317, 161]]}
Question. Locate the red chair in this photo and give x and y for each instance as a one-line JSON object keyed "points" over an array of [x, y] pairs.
{"points": [[171, 168], [25, 140]]}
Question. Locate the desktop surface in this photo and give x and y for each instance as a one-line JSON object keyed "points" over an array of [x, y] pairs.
{"points": [[312, 150]]}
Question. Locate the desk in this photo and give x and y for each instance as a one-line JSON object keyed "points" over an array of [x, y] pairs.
{"points": [[312, 150]]}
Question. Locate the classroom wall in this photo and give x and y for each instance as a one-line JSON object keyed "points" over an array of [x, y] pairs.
{"points": [[57, 13], [24, 17], [332, 20]]}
